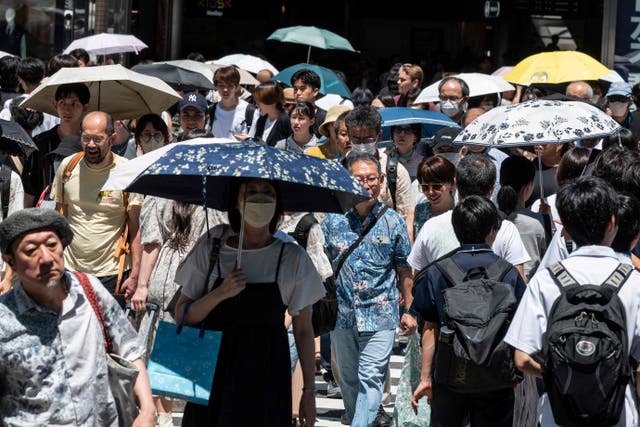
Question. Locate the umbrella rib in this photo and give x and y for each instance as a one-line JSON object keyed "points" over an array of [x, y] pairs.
{"points": [[139, 95]]}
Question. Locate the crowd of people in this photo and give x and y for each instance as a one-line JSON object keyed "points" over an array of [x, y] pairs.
{"points": [[441, 218]]}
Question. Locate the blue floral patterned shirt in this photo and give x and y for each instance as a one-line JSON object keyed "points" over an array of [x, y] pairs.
{"points": [[53, 367], [367, 284]]}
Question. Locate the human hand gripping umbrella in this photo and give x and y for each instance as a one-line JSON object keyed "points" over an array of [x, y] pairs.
{"points": [[537, 122], [203, 171]]}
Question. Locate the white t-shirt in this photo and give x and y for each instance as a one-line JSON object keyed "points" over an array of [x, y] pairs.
{"points": [[437, 238], [588, 265], [298, 280], [226, 120], [551, 201]]}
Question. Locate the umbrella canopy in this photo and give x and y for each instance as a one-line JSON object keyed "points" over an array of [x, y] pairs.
{"points": [[537, 122], [3, 54], [556, 67], [202, 170], [176, 77], [14, 140], [431, 121], [479, 84], [329, 80], [107, 44], [116, 90], [250, 63], [312, 36], [246, 78]]}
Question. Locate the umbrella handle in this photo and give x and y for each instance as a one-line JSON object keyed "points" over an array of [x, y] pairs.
{"points": [[540, 174], [241, 236], [308, 54]]}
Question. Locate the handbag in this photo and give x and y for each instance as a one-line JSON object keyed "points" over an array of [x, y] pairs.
{"points": [[122, 373], [403, 415], [183, 362]]}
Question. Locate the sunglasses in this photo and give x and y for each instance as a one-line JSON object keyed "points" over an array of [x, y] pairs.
{"points": [[403, 129]]}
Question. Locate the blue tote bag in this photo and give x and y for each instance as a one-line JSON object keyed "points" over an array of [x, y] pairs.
{"points": [[183, 362]]}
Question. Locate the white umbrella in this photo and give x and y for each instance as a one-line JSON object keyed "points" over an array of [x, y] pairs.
{"points": [[122, 93], [3, 54], [331, 99], [246, 78], [247, 62], [107, 44], [479, 84]]}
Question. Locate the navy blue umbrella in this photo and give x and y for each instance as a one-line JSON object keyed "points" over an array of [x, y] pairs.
{"points": [[431, 121], [203, 173]]}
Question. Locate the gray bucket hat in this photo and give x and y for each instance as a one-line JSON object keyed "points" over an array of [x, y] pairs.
{"points": [[30, 220]]}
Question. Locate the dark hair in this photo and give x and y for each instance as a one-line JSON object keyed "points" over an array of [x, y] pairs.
{"points": [[475, 175], [196, 56], [81, 55], [308, 77], [235, 217], [624, 138], [585, 206], [305, 108], [27, 118], [61, 61], [79, 89], [611, 164], [631, 179], [436, 169], [361, 96], [516, 172], [228, 75], [339, 119], [364, 116], [463, 85], [572, 164], [31, 70], [473, 218], [9, 72], [628, 222], [416, 129], [353, 158], [157, 123], [269, 93]]}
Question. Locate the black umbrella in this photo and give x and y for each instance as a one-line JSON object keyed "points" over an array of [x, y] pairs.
{"points": [[176, 77], [15, 140]]}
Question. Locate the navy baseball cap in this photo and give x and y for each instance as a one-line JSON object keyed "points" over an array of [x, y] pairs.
{"points": [[194, 100]]}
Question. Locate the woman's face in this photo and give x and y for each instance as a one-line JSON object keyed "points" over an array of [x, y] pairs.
{"points": [[253, 187], [300, 123], [342, 138], [439, 195], [265, 108], [405, 84], [403, 138], [151, 138]]}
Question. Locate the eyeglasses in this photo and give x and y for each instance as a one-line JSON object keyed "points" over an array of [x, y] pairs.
{"points": [[146, 137], [97, 139], [367, 180], [364, 140], [432, 187], [403, 129]]}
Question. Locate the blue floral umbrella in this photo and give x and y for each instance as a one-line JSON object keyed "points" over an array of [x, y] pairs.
{"points": [[203, 173], [431, 121], [329, 80]]}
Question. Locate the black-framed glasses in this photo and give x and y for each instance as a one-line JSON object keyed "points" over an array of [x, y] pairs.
{"points": [[97, 139]]}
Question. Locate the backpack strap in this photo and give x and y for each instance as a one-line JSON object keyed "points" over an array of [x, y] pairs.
{"points": [[392, 175], [619, 276], [69, 169], [451, 271], [499, 269], [5, 189], [301, 233], [561, 276]]}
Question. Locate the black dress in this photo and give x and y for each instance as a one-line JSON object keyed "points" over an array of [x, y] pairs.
{"points": [[252, 382]]}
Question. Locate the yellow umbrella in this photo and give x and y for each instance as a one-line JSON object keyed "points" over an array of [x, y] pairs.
{"points": [[556, 67]]}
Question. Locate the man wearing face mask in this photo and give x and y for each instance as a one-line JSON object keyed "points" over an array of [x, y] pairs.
{"points": [[618, 101], [454, 94]]}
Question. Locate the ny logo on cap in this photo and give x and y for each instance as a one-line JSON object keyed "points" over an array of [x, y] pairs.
{"points": [[193, 98]]}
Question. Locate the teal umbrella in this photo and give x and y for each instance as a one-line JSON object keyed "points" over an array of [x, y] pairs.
{"points": [[329, 80], [312, 36]]}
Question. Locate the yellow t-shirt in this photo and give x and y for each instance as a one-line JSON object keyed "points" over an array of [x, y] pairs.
{"points": [[97, 219]]}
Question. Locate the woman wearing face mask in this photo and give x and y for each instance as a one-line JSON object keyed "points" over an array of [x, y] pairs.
{"points": [[248, 305], [407, 147], [151, 133], [302, 117], [435, 175]]}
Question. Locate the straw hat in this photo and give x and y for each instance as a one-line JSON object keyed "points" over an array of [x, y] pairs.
{"points": [[331, 117]]}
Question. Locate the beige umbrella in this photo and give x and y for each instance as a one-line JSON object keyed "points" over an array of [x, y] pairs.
{"points": [[122, 93], [246, 78]]}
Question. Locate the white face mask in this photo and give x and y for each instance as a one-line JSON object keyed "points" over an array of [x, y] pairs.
{"points": [[449, 108], [259, 210], [366, 148], [452, 157], [618, 109], [152, 144]]}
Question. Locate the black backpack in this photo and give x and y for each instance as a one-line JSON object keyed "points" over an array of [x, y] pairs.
{"points": [[471, 356], [5, 189], [325, 310], [585, 350]]}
